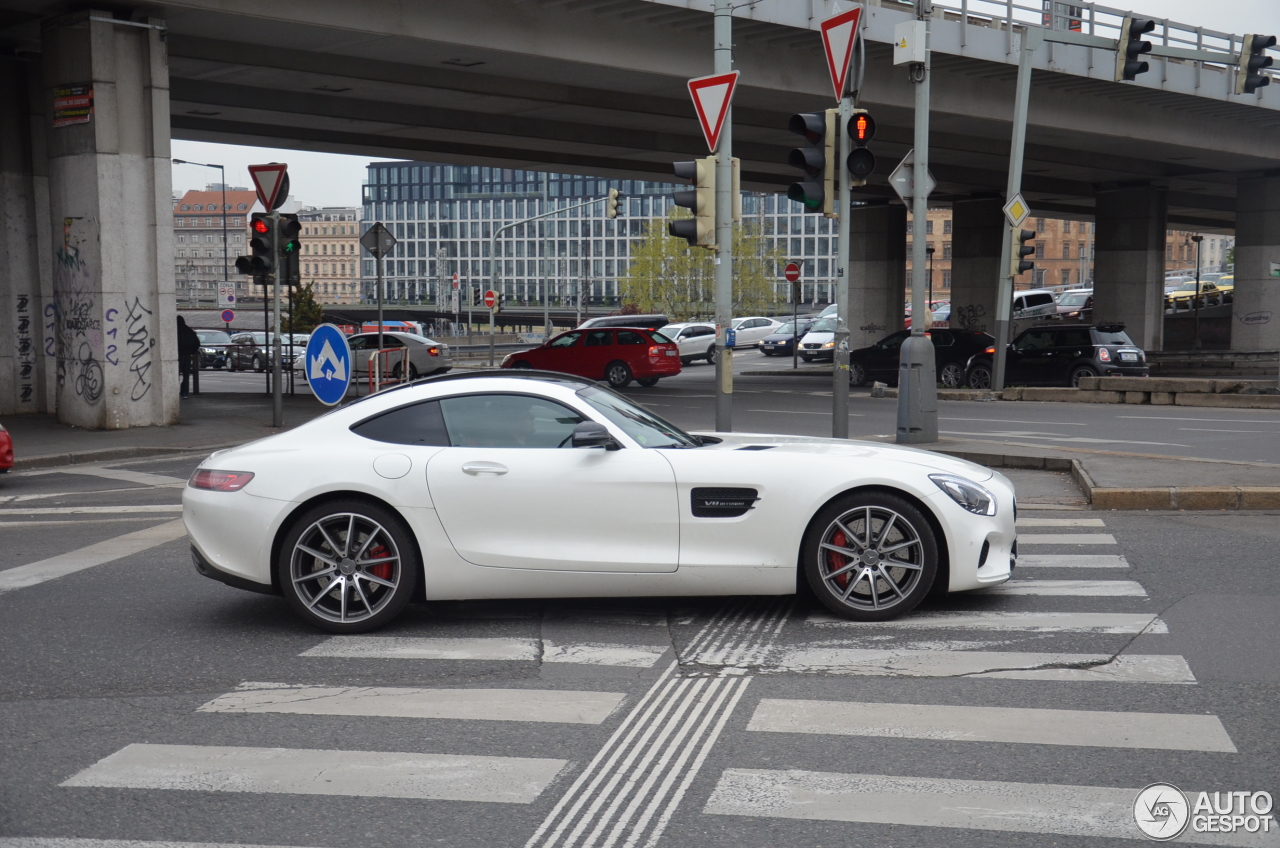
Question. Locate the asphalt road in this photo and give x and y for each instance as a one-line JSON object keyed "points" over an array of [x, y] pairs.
{"points": [[144, 702]]}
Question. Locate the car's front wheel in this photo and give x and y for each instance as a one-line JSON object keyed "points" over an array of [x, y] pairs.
{"points": [[980, 376], [870, 556], [857, 374], [952, 375], [523, 365], [258, 364], [348, 566], [711, 354], [618, 374]]}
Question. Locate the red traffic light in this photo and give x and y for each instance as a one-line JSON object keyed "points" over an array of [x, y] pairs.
{"points": [[863, 128], [260, 226]]}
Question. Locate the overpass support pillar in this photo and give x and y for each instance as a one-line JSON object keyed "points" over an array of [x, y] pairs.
{"points": [[877, 272], [105, 99], [977, 233], [1256, 305], [1129, 269]]}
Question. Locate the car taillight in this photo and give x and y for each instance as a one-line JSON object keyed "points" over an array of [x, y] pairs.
{"points": [[1104, 355], [655, 350], [991, 351], [220, 481], [434, 351]]}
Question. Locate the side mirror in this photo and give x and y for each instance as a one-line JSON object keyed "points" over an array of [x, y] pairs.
{"points": [[593, 434]]}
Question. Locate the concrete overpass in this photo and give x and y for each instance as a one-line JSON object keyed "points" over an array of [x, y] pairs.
{"points": [[598, 86]]}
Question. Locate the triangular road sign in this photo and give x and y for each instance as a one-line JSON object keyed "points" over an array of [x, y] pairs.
{"points": [[267, 180], [838, 34], [711, 98]]}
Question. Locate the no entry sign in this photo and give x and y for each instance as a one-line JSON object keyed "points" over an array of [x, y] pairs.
{"points": [[490, 298], [791, 272]]}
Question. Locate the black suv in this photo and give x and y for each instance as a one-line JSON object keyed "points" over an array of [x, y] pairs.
{"points": [[952, 351], [1061, 355]]}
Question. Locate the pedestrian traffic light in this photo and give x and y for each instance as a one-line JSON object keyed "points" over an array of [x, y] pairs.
{"points": [[262, 244], [861, 161], [700, 230], [612, 202], [290, 248], [1131, 46], [1018, 249], [817, 159], [1249, 76]]}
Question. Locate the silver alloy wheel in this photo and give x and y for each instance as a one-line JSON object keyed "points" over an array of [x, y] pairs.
{"points": [[871, 558], [980, 377], [333, 556], [857, 374], [952, 375], [1081, 371]]}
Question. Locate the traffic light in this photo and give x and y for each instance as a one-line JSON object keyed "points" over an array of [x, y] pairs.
{"points": [[700, 230], [290, 249], [817, 159], [1131, 46], [1018, 249], [1249, 76], [861, 161], [612, 202], [261, 244]]}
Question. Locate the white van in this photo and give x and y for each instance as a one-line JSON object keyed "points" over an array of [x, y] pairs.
{"points": [[1036, 303]]}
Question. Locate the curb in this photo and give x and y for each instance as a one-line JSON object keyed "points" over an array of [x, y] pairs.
{"points": [[55, 460], [789, 372]]}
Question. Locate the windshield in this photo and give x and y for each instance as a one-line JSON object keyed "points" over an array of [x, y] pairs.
{"points": [[785, 330], [647, 429], [1073, 299], [830, 310], [1113, 337], [824, 325], [213, 337], [1191, 286]]}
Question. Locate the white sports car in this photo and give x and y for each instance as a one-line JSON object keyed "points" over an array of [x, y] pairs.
{"points": [[536, 485]]}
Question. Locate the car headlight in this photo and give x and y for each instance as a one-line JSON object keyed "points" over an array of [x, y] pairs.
{"points": [[829, 344], [968, 494]]}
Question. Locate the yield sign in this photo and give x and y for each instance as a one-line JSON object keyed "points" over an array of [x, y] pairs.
{"points": [[711, 97], [838, 34], [267, 180]]}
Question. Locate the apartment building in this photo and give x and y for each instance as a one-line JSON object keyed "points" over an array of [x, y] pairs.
{"points": [[329, 262], [198, 247]]}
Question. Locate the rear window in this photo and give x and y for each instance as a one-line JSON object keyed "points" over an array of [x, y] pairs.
{"points": [[631, 337], [1042, 299], [1111, 337], [658, 338], [415, 424]]}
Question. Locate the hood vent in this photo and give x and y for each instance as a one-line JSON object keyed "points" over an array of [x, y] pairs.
{"points": [[723, 503], [756, 447]]}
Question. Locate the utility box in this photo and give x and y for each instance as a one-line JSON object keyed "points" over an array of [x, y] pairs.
{"points": [[909, 43]]}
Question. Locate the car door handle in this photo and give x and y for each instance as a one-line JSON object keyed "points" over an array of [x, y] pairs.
{"points": [[474, 468]]}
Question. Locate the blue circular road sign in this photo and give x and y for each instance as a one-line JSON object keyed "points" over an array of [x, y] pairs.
{"points": [[328, 364]]}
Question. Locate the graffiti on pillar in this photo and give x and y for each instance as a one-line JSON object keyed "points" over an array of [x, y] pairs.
{"points": [[26, 350], [1255, 318], [77, 332], [873, 328], [139, 343], [972, 317]]}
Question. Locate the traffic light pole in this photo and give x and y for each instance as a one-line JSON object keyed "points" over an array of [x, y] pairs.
{"points": [[840, 354], [724, 226], [277, 396], [1031, 40]]}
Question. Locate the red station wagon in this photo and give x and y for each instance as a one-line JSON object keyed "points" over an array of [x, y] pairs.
{"points": [[615, 354]]}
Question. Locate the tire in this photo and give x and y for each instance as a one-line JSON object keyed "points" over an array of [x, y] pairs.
{"points": [[523, 365], [618, 374], [766, 352], [258, 364], [375, 584], [952, 376], [1081, 371], [413, 372], [857, 374], [711, 354], [893, 566], [979, 376], [648, 382], [806, 358]]}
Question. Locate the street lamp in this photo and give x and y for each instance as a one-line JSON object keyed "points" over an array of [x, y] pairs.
{"points": [[929, 251], [223, 171], [1196, 342]]}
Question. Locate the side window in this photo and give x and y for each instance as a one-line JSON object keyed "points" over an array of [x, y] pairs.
{"points": [[630, 337], [704, 331], [1074, 338], [1039, 300], [567, 340], [895, 341], [415, 424], [1018, 305], [1035, 340], [508, 421], [941, 338], [357, 342], [599, 338]]}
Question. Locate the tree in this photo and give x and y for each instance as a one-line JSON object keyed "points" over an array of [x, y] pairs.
{"points": [[307, 314], [668, 277]]}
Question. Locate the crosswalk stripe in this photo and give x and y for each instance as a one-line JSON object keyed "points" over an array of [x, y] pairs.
{"points": [[1171, 732], [1091, 588], [63, 842], [545, 705], [1060, 522], [486, 649], [91, 510], [1090, 811], [127, 476], [96, 554], [1066, 539], [291, 771], [1011, 665], [1071, 561], [1038, 622]]}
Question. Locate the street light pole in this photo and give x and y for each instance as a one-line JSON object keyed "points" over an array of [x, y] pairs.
{"points": [[1197, 239]]}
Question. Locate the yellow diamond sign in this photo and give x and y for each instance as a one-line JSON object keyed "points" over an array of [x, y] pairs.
{"points": [[1016, 210]]}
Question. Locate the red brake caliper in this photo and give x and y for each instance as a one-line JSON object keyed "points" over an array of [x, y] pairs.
{"points": [[382, 569], [836, 561]]}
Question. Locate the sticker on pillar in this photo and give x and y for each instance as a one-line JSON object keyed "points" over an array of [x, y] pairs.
{"points": [[72, 104], [328, 364], [1255, 318]]}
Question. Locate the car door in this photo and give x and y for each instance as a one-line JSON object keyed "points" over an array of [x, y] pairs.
{"points": [[1070, 347], [882, 364], [559, 353], [597, 351], [361, 346], [1031, 358], [511, 492]]}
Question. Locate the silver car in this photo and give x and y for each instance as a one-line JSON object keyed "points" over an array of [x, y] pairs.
{"points": [[425, 355]]}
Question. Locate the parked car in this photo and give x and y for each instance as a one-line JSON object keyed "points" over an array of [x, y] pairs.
{"points": [[939, 309], [213, 348], [952, 351], [253, 350], [820, 341], [6, 450], [1075, 304], [1227, 285], [425, 355], [1061, 355], [652, 322], [616, 354], [1035, 303], [749, 332], [782, 340], [695, 340]]}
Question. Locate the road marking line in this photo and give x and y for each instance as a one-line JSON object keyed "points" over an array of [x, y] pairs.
{"points": [[486, 649], [60, 842], [1011, 665], [1066, 539], [71, 522], [1089, 588], [1089, 811], [110, 550], [627, 656], [545, 705], [1099, 729], [91, 510], [140, 477], [377, 774], [1038, 622], [1060, 522], [1071, 561]]}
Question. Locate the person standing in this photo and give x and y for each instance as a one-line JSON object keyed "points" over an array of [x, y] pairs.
{"points": [[188, 350]]}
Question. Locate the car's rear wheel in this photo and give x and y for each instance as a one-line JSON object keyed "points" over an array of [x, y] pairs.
{"points": [[1081, 371], [951, 375], [980, 376], [711, 354], [413, 371], [648, 382], [522, 364], [258, 364], [857, 374], [348, 566], [618, 373], [870, 556]]}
